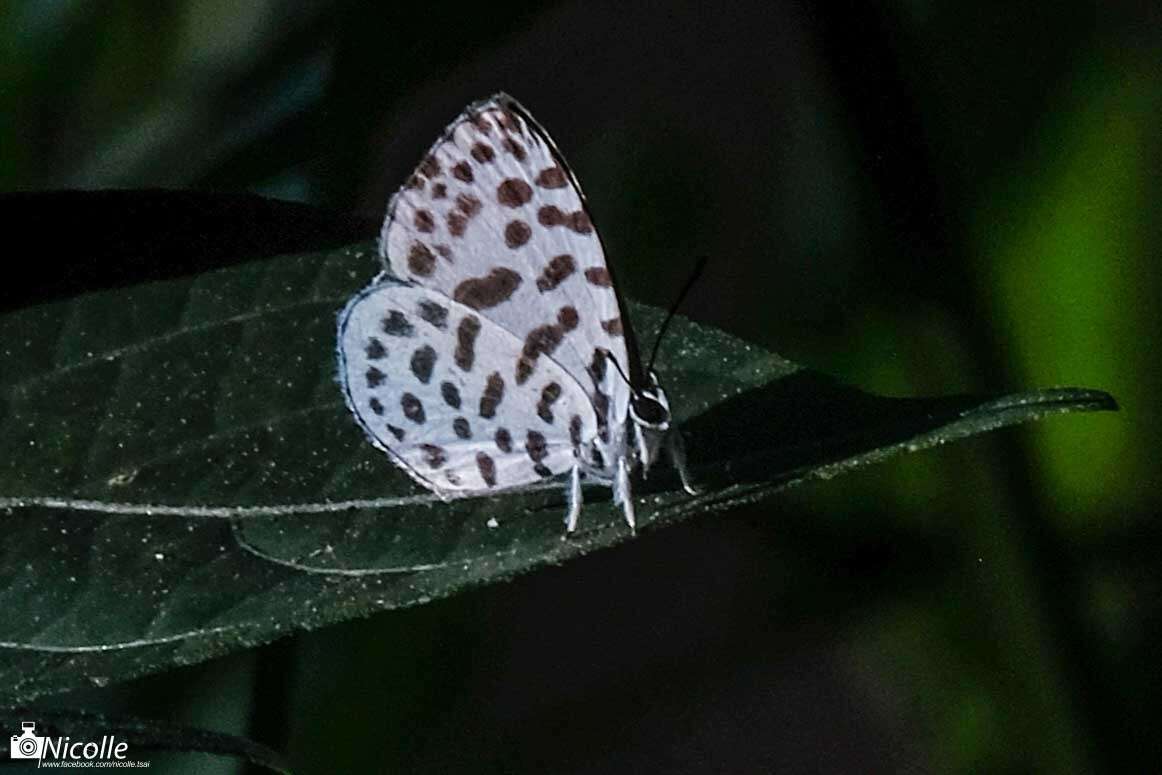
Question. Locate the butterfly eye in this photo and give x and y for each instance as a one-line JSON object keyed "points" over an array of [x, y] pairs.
{"points": [[650, 412]]}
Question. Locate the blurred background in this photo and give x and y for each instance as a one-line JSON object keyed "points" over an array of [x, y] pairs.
{"points": [[918, 198]]}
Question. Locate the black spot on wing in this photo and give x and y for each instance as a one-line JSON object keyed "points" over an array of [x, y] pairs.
{"points": [[487, 468], [543, 340], [397, 324], [450, 394], [485, 292], [434, 314], [466, 334], [536, 446], [413, 408], [423, 361], [549, 394], [434, 455], [492, 396], [559, 269], [375, 349]]}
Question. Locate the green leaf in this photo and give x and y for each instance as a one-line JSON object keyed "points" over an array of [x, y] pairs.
{"points": [[181, 479]]}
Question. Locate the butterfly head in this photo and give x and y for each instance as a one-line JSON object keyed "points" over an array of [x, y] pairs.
{"points": [[649, 410]]}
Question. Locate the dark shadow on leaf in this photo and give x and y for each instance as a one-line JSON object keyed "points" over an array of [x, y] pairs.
{"points": [[779, 431], [95, 240]]}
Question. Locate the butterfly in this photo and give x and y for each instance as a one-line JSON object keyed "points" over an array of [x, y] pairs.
{"points": [[494, 350]]}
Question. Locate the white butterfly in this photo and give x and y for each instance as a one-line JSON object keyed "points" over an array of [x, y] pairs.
{"points": [[495, 351]]}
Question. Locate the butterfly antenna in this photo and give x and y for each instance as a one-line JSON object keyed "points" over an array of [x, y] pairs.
{"points": [[693, 278], [617, 366]]}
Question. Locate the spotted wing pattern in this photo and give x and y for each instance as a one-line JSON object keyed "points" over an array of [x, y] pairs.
{"points": [[493, 219], [428, 378]]}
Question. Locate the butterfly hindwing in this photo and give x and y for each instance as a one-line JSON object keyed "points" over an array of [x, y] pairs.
{"points": [[432, 382], [493, 218]]}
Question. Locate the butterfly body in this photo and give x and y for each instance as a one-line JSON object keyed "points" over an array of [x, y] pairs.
{"points": [[493, 351]]}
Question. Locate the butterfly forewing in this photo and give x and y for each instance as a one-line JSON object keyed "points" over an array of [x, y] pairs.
{"points": [[430, 381], [493, 219]]}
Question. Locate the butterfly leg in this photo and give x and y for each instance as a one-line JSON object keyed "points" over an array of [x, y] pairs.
{"points": [[574, 496], [676, 449], [622, 494]]}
